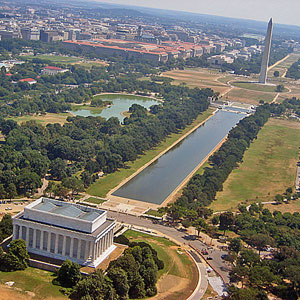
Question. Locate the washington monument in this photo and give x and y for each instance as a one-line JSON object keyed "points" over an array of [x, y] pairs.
{"points": [[266, 56]]}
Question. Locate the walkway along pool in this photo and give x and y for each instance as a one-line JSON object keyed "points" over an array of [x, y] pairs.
{"points": [[155, 183]]}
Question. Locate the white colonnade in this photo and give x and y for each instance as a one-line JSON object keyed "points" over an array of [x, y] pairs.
{"points": [[61, 244]]}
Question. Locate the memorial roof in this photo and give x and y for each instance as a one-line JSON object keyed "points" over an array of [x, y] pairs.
{"points": [[65, 209]]}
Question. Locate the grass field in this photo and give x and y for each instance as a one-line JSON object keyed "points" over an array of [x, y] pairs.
{"points": [[291, 207], [268, 167], [256, 87], [60, 118], [197, 78], [178, 277], [33, 280], [101, 187], [248, 96], [54, 58]]}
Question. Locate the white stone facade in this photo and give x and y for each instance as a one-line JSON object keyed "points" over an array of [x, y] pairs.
{"points": [[63, 230]]}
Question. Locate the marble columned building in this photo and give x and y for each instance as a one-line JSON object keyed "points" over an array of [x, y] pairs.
{"points": [[64, 230]]}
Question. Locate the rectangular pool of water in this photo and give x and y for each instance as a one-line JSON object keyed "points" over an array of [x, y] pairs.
{"points": [[156, 182]]}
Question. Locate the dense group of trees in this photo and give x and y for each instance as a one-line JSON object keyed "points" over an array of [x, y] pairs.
{"points": [[92, 143], [263, 230], [131, 276], [294, 70]]}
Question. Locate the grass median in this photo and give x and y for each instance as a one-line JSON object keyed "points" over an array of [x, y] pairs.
{"points": [[268, 167]]}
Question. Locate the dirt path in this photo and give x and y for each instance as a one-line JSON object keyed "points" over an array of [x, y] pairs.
{"points": [[275, 98], [279, 62], [283, 75], [42, 189]]}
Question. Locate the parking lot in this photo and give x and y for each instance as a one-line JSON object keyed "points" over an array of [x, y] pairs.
{"points": [[12, 207]]}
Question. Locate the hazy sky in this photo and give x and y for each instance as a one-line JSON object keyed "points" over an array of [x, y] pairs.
{"points": [[282, 11]]}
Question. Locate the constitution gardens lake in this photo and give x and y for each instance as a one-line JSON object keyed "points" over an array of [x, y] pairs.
{"points": [[120, 104], [156, 182]]}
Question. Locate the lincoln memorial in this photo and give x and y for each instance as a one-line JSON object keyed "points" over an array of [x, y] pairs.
{"points": [[62, 230]]}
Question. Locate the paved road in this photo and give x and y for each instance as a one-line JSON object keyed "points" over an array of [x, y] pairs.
{"points": [[203, 281], [217, 262]]}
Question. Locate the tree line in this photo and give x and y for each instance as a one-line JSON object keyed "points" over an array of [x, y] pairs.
{"points": [[201, 189], [294, 70]]}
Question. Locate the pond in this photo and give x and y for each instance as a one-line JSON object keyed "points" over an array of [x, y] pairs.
{"points": [[120, 104]]}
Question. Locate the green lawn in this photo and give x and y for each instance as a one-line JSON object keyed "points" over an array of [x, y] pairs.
{"points": [[34, 280], [93, 109], [60, 118], [175, 262], [268, 167], [54, 58], [102, 186], [95, 200], [256, 87], [155, 213]]}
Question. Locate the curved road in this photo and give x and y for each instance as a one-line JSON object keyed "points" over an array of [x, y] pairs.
{"points": [[181, 237]]}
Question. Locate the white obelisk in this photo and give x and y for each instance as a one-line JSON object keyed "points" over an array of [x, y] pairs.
{"points": [[266, 56]]}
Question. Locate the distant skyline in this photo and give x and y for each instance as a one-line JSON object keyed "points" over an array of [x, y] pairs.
{"points": [[282, 11]]}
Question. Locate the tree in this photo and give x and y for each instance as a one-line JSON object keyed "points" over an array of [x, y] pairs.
{"points": [[120, 281], [248, 258], [200, 224], [93, 287], [276, 74], [6, 225], [2, 192], [280, 88], [226, 221], [260, 241], [16, 257], [279, 199], [73, 183], [60, 191], [215, 220], [11, 191], [50, 188], [235, 245], [58, 169], [186, 223], [235, 293], [69, 274], [292, 273], [262, 276]]}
